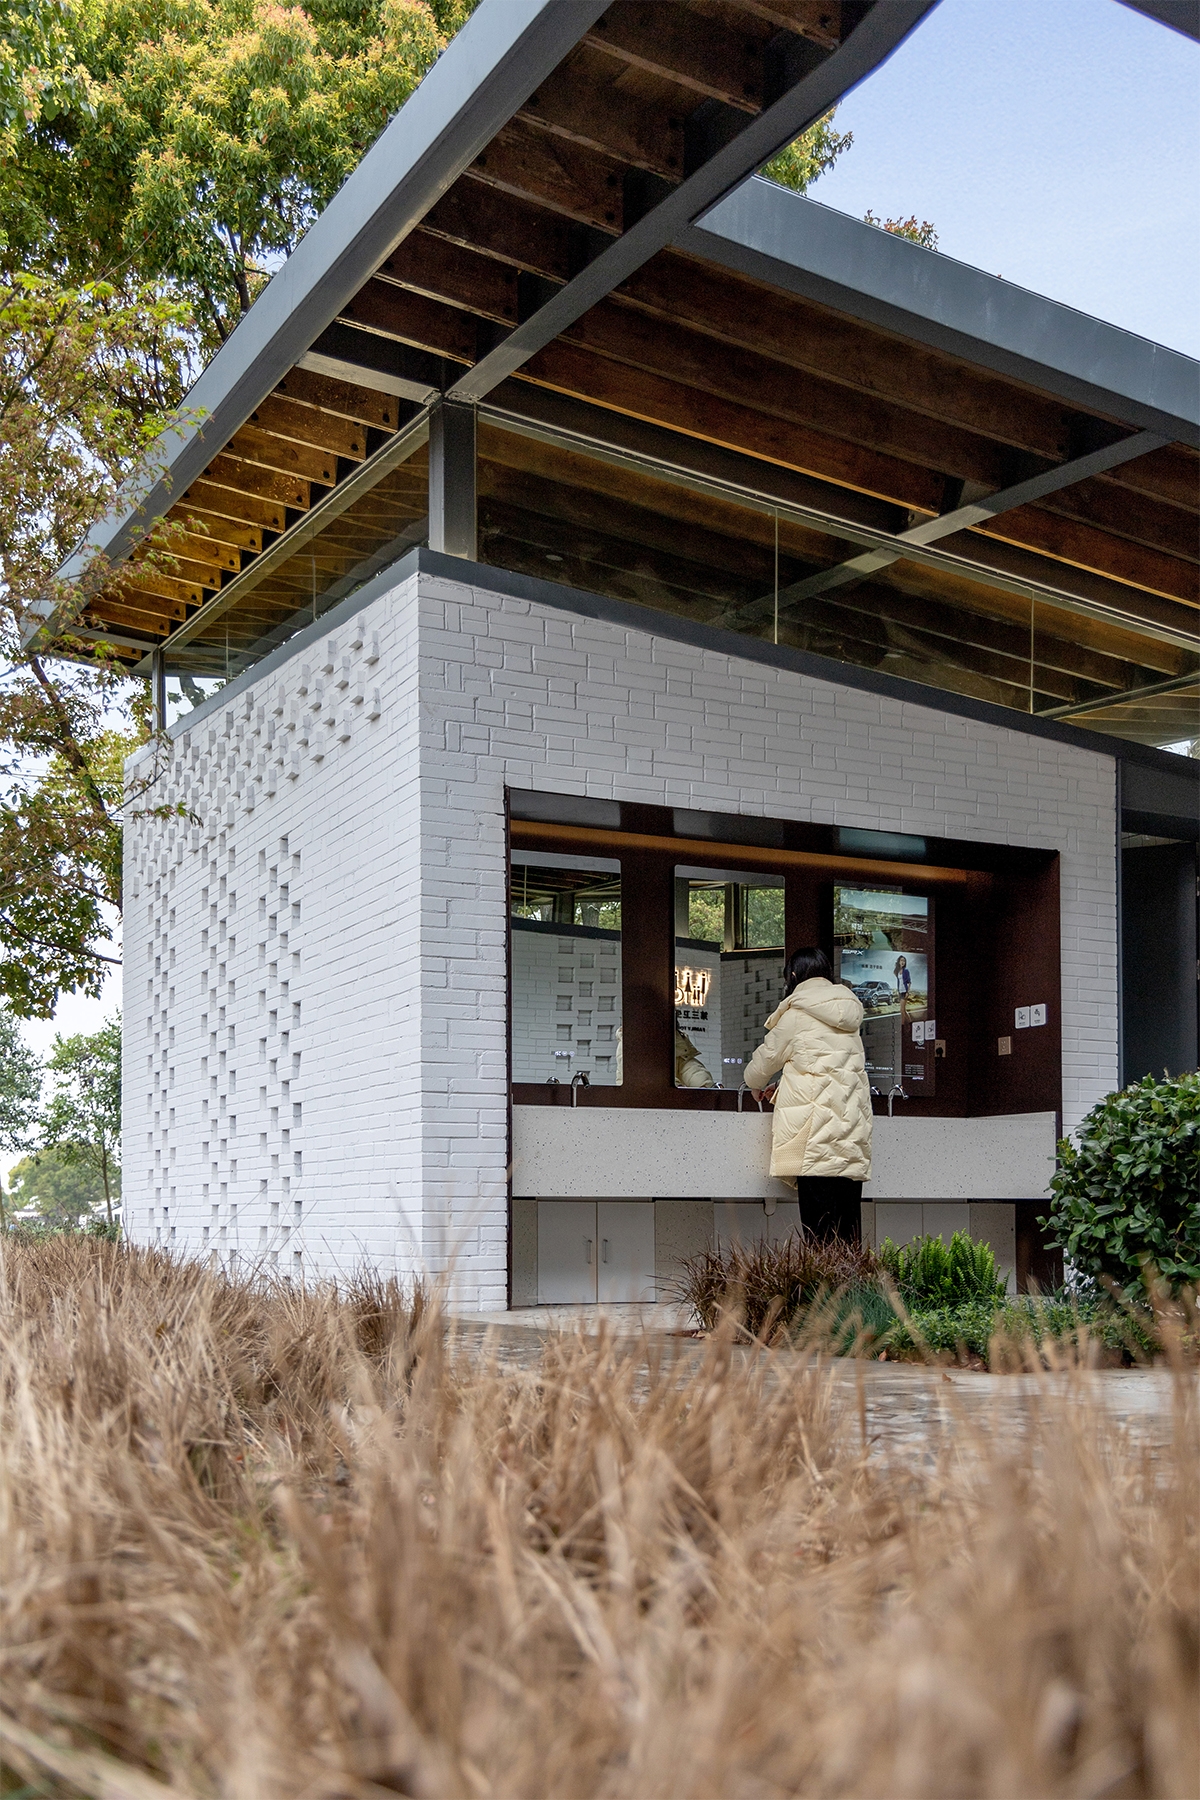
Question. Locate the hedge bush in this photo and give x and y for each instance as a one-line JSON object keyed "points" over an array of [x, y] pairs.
{"points": [[1126, 1196]]}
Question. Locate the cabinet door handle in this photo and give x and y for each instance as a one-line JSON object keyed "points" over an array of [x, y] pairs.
{"points": [[588, 1242], [604, 1249]]}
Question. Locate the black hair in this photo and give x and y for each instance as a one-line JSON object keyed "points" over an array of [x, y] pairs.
{"points": [[802, 965]]}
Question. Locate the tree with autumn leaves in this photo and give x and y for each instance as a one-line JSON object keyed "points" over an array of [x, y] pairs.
{"points": [[158, 159]]}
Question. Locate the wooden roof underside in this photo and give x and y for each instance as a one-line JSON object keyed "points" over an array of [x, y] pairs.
{"points": [[699, 350]]}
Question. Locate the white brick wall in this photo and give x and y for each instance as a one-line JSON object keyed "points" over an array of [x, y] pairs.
{"points": [[389, 833]]}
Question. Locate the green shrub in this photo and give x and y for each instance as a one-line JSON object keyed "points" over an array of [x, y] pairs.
{"points": [[1128, 1194], [930, 1274]]}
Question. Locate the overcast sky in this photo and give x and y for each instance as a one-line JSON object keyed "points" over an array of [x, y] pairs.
{"points": [[1054, 142]]}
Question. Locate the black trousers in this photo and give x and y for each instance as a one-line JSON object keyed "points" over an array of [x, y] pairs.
{"points": [[830, 1206]]}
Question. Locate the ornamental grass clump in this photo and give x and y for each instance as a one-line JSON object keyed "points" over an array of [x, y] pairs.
{"points": [[267, 1541], [769, 1287]]}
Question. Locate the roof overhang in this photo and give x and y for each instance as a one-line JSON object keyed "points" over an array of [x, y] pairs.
{"points": [[560, 237], [790, 242]]}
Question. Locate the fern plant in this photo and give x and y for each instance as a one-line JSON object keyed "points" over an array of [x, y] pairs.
{"points": [[930, 1273]]}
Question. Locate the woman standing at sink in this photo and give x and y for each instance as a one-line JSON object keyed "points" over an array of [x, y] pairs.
{"points": [[812, 1063]]}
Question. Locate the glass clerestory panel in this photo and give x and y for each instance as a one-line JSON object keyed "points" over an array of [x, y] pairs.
{"points": [[729, 957], [565, 919], [318, 563], [656, 535]]}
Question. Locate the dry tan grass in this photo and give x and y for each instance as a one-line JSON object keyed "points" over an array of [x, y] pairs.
{"points": [[264, 1543]]}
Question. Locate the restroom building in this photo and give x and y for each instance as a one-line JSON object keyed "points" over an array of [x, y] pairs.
{"points": [[598, 570]]}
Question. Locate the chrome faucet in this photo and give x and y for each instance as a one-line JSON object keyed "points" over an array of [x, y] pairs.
{"points": [[893, 1091], [579, 1079]]}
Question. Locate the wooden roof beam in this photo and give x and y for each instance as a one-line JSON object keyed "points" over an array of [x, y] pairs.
{"points": [[515, 231], [573, 104], [446, 271], [220, 533], [578, 182], [249, 481], [409, 318], [740, 427], [307, 426], [175, 561], [200, 547], [111, 612], [718, 58], [366, 406], [570, 369], [731, 310], [1069, 540], [261, 449]]}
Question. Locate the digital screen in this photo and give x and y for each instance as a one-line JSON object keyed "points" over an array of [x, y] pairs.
{"points": [[883, 950]]}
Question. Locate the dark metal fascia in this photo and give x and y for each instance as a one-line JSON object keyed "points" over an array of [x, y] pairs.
{"points": [[1181, 15], [881, 32], [491, 66], [775, 236]]}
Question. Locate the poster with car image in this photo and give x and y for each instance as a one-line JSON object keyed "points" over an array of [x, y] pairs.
{"points": [[883, 951]]}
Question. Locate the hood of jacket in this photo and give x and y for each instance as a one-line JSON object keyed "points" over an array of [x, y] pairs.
{"points": [[829, 1002]]}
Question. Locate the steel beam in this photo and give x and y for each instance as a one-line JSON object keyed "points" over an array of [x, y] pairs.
{"points": [[963, 517], [452, 483], [501, 55], [866, 47], [1122, 698]]}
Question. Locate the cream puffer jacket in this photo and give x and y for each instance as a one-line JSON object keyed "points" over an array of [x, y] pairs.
{"points": [[822, 1122]]}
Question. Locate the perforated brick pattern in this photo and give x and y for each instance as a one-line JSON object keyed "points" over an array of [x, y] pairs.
{"points": [[316, 978]]}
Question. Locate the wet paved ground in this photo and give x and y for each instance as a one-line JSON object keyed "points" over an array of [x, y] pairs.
{"points": [[902, 1408]]}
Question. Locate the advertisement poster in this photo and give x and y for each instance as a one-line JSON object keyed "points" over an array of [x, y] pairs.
{"points": [[883, 951]]}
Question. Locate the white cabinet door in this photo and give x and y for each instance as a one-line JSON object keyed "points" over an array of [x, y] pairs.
{"points": [[625, 1232], [566, 1252]]}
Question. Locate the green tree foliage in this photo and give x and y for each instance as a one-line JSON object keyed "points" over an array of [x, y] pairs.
{"points": [[82, 1122], [157, 159], [20, 1086], [812, 154], [60, 1191], [213, 133], [1126, 1195], [88, 377], [39, 76]]}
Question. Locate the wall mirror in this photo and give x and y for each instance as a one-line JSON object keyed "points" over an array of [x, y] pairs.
{"points": [[728, 970], [566, 968]]}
